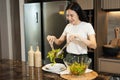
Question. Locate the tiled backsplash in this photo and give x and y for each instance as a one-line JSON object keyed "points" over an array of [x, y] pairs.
{"points": [[113, 21]]}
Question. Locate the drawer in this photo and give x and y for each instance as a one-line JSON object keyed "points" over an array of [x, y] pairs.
{"points": [[109, 65]]}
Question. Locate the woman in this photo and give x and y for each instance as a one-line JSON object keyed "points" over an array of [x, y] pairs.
{"points": [[78, 33]]}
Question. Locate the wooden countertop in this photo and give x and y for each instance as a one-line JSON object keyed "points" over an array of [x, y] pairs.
{"points": [[17, 70]]}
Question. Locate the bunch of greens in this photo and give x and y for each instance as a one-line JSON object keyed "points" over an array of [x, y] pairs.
{"points": [[52, 55], [77, 68]]}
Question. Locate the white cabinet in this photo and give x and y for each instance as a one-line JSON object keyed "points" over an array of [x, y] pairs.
{"points": [[109, 65], [86, 4], [110, 4]]}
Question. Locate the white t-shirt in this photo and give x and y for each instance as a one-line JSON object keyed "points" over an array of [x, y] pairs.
{"points": [[83, 30]]}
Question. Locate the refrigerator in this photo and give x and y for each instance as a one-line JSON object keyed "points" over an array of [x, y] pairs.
{"points": [[43, 19], [32, 26]]}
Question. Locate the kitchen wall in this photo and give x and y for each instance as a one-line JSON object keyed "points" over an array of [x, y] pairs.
{"points": [[113, 21], [10, 45], [5, 33]]}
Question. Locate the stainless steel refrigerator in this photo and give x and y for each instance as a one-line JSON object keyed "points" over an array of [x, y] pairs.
{"points": [[50, 21], [32, 26]]}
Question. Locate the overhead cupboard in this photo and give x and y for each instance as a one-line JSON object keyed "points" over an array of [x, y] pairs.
{"points": [[86, 4], [110, 4]]}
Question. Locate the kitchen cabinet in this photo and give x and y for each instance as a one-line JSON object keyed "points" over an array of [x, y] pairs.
{"points": [[102, 25], [110, 4], [86, 4], [109, 65]]}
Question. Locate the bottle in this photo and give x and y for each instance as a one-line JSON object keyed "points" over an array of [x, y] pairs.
{"points": [[38, 60], [31, 57]]}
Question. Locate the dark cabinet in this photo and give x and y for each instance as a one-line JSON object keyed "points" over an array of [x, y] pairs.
{"points": [[110, 4]]}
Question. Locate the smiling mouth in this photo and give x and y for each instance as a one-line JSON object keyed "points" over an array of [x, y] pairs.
{"points": [[71, 21]]}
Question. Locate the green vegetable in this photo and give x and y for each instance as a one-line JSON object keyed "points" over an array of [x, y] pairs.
{"points": [[77, 68], [52, 55]]}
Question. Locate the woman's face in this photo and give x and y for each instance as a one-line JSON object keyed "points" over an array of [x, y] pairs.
{"points": [[72, 17]]}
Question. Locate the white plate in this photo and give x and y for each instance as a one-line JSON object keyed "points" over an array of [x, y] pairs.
{"points": [[56, 68]]}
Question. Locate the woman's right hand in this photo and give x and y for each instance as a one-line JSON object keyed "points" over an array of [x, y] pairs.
{"points": [[51, 39]]}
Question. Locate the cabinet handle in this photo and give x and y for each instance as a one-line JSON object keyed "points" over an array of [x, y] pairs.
{"points": [[36, 17]]}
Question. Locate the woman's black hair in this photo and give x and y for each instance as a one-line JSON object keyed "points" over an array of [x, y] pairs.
{"points": [[77, 8]]}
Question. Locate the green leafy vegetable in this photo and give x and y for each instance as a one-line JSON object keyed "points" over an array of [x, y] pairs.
{"points": [[77, 68], [52, 55]]}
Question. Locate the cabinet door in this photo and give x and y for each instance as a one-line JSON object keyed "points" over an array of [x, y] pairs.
{"points": [[86, 4], [110, 4]]}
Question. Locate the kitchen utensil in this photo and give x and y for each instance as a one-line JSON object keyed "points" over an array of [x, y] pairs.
{"points": [[62, 49], [110, 51], [51, 45], [115, 41], [113, 48], [87, 76], [118, 43]]}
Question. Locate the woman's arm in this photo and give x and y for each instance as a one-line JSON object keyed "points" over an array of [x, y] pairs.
{"points": [[57, 41], [60, 40], [90, 42]]}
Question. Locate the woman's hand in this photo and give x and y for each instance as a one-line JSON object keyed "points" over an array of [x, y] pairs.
{"points": [[72, 37], [51, 39], [90, 42]]}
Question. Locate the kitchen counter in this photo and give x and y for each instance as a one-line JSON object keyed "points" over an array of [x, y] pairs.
{"points": [[16, 70]]}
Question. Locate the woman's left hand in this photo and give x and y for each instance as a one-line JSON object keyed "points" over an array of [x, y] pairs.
{"points": [[72, 38]]}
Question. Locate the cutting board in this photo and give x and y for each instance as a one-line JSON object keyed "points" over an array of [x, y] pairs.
{"points": [[85, 76], [114, 42]]}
